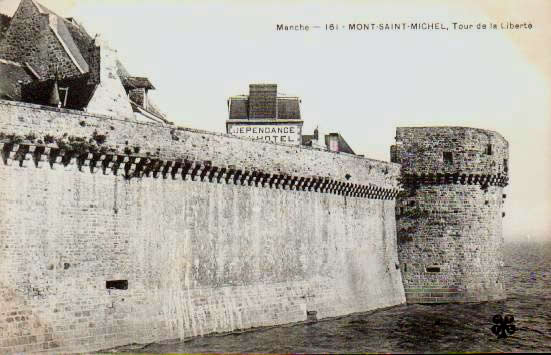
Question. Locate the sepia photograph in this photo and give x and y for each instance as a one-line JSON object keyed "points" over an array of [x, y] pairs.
{"points": [[291, 176]]}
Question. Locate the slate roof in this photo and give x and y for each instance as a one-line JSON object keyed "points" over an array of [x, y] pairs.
{"points": [[60, 25], [264, 102], [135, 82], [121, 71], [11, 74], [342, 145], [152, 110], [81, 38], [132, 82], [78, 45], [239, 108], [288, 108]]}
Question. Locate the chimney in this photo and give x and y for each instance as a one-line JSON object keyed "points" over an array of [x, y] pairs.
{"points": [[333, 142], [263, 101]]}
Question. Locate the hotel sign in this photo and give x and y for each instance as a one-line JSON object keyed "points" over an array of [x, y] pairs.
{"points": [[288, 132]]}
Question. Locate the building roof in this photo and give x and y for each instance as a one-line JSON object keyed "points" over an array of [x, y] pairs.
{"points": [[12, 76], [41, 49], [121, 70], [239, 108], [135, 82], [60, 27], [132, 82], [152, 112], [81, 38], [288, 108], [264, 102], [34, 33]]}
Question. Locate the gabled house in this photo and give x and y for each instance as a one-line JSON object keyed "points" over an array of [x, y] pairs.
{"points": [[41, 51], [333, 142]]}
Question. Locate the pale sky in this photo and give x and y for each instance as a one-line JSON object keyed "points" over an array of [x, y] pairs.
{"points": [[361, 84]]}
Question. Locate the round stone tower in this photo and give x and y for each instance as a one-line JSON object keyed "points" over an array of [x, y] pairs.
{"points": [[449, 215]]}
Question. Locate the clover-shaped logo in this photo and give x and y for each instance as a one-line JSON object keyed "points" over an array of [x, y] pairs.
{"points": [[503, 326]]}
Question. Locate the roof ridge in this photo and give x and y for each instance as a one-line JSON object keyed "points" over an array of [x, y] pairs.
{"points": [[44, 10], [73, 22], [10, 62]]}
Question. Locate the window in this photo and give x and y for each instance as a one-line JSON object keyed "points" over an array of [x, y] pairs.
{"points": [[433, 268], [448, 157], [117, 284], [489, 149], [506, 165]]}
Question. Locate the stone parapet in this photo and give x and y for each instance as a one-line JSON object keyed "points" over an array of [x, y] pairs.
{"points": [[171, 143], [450, 150]]}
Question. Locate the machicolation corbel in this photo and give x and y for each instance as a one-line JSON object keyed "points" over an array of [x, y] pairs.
{"points": [[79, 154]]}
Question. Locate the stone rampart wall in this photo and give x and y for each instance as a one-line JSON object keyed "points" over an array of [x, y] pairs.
{"points": [[192, 249]]}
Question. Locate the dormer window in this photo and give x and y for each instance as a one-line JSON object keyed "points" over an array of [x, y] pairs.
{"points": [[137, 88]]}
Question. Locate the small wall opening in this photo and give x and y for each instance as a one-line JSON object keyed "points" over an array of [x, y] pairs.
{"points": [[489, 149], [506, 165], [311, 316], [116, 285], [448, 157], [433, 268]]}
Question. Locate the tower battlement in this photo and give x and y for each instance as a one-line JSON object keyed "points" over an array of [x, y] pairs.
{"points": [[449, 216], [450, 150]]}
